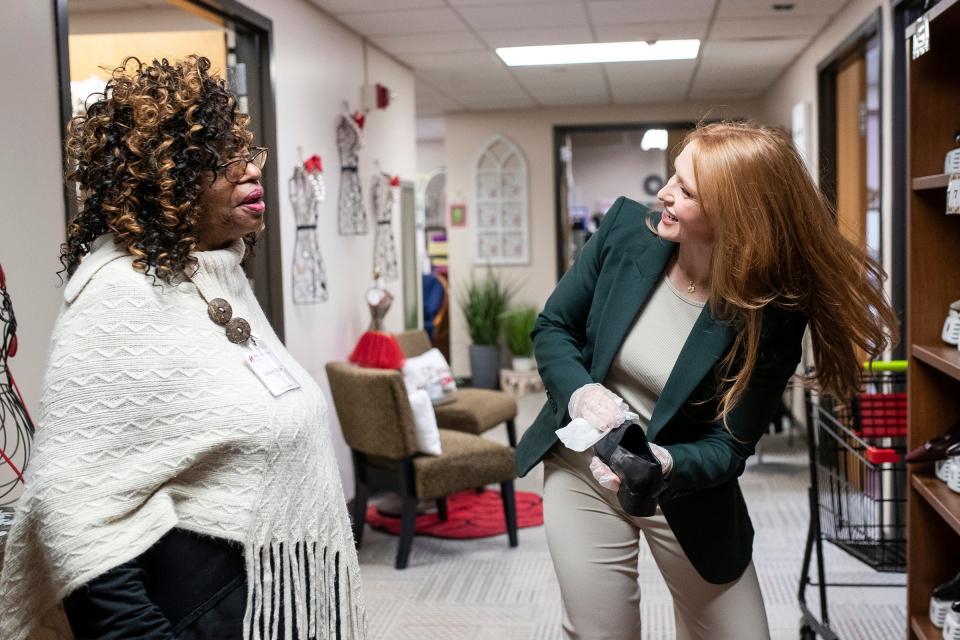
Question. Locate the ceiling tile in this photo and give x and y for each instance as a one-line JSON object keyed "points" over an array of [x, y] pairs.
{"points": [[732, 79], [651, 31], [748, 28], [478, 62], [429, 100], [429, 42], [567, 14], [764, 9], [745, 54], [660, 81], [402, 22], [616, 12], [487, 3], [534, 37], [361, 6], [581, 84], [499, 101]]}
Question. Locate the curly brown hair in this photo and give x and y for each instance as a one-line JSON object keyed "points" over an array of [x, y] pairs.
{"points": [[143, 154]]}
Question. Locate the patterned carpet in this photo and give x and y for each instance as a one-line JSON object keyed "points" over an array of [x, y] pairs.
{"points": [[482, 590]]}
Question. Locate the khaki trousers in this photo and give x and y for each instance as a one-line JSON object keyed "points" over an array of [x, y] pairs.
{"points": [[595, 550]]}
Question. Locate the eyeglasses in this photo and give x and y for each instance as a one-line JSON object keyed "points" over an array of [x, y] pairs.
{"points": [[235, 169]]}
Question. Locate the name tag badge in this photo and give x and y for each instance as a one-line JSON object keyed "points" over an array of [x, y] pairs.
{"points": [[267, 366]]}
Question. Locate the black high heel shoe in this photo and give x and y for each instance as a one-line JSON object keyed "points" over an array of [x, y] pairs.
{"points": [[626, 451]]}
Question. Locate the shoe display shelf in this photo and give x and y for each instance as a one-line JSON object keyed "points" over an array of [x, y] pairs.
{"points": [[932, 94]]}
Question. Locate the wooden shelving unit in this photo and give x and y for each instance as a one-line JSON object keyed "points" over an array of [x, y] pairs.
{"points": [[933, 282], [922, 628]]}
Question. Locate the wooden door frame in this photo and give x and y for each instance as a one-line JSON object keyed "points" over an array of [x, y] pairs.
{"points": [[827, 99], [233, 11]]}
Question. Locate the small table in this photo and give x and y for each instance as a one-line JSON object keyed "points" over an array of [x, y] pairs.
{"points": [[519, 383]]}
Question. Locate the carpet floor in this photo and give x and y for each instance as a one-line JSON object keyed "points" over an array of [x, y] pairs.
{"points": [[482, 590]]}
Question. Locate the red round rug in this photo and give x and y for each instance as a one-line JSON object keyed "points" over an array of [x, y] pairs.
{"points": [[469, 515]]}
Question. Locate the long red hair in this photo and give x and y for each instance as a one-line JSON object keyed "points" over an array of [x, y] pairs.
{"points": [[777, 243]]}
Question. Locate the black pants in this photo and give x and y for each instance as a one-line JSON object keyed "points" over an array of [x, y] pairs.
{"points": [[186, 586]]}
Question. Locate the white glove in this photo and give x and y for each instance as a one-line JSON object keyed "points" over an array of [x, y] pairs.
{"points": [[604, 474], [595, 410], [599, 406], [666, 460]]}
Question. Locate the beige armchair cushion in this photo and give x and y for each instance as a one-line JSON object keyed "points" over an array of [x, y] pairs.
{"points": [[467, 462], [476, 410]]}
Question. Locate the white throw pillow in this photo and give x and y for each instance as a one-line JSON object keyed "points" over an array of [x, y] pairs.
{"points": [[429, 370], [425, 420]]}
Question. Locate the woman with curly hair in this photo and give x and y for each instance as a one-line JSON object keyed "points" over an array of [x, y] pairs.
{"points": [[183, 483]]}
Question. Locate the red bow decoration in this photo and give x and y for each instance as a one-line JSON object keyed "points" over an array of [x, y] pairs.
{"points": [[359, 118], [394, 181], [313, 164]]}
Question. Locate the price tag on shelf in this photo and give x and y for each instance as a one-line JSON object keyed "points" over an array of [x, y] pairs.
{"points": [[953, 194]]}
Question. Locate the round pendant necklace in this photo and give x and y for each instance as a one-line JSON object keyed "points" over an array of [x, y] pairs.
{"points": [[691, 288], [236, 328]]}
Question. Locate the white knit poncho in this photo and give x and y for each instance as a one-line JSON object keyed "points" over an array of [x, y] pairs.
{"points": [[150, 420]]}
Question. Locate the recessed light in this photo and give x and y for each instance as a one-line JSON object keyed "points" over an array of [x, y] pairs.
{"points": [[599, 52]]}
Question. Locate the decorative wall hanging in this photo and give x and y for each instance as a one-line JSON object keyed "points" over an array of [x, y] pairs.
{"points": [[351, 214], [384, 247], [502, 228], [458, 215], [16, 427], [307, 192]]}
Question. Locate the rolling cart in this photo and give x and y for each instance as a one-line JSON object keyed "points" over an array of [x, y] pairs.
{"points": [[857, 494]]}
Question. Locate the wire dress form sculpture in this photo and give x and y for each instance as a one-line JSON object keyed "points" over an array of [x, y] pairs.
{"points": [[16, 427], [384, 246], [351, 214], [307, 192]]}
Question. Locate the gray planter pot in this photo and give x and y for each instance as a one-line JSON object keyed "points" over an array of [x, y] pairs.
{"points": [[485, 365]]}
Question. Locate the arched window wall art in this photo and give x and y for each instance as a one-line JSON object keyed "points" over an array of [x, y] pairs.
{"points": [[502, 227]]}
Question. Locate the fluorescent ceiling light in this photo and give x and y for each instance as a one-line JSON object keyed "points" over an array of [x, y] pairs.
{"points": [[599, 52], [654, 139]]}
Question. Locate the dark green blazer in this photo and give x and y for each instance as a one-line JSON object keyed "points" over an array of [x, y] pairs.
{"points": [[577, 336]]}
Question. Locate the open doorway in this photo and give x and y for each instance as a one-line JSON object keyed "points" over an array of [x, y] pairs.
{"points": [[596, 164], [94, 37]]}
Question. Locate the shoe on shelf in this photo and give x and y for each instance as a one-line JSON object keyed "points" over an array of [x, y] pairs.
{"points": [[936, 448], [626, 451], [953, 480], [951, 626], [941, 468], [942, 598]]}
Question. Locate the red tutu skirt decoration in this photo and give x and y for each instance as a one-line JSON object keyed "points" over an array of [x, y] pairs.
{"points": [[378, 350]]}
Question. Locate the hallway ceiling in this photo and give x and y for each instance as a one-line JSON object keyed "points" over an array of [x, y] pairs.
{"points": [[746, 44]]}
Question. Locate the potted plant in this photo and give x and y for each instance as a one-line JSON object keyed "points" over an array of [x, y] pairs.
{"points": [[517, 326], [483, 303]]}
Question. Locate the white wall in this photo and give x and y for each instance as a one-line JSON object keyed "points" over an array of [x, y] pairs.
{"points": [[32, 215], [317, 64], [532, 131], [606, 169], [431, 155]]}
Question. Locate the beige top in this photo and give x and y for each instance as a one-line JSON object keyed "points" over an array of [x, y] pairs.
{"points": [[641, 367]]}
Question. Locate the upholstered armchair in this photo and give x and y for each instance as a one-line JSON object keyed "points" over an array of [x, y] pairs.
{"points": [[377, 422], [472, 410]]}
